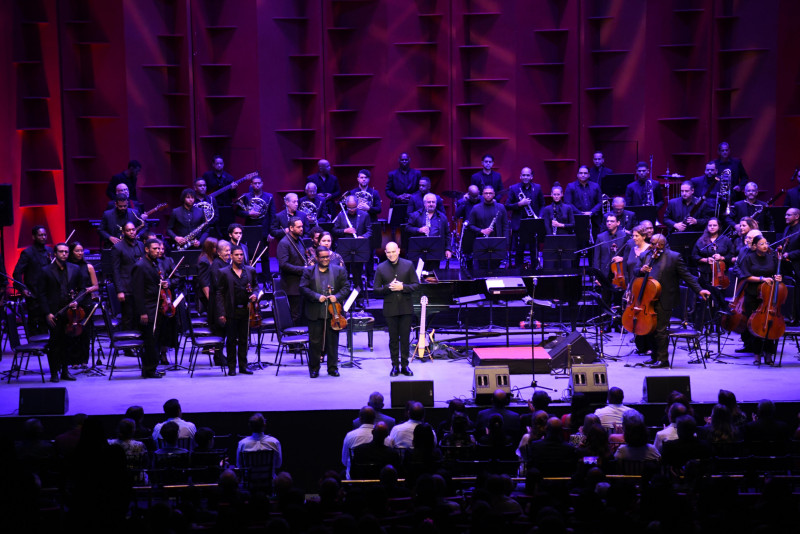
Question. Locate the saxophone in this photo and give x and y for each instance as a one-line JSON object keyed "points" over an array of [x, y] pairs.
{"points": [[191, 235], [428, 222]]}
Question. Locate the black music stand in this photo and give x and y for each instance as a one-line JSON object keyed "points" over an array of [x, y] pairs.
{"points": [[536, 230], [642, 213], [583, 228], [683, 243], [777, 214], [398, 215], [354, 250], [490, 249], [614, 185], [562, 249], [326, 226], [429, 249]]}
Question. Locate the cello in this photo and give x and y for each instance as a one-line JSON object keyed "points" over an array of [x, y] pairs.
{"points": [[767, 321], [639, 318]]}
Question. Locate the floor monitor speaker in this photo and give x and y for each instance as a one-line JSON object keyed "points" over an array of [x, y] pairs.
{"points": [[658, 388], [418, 390], [43, 401], [574, 345], [489, 378]]}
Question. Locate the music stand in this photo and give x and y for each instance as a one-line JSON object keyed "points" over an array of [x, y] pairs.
{"points": [[614, 185], [536, 230], [683, 243], [777, 215], [583, 227], [642, 213], [490, 248], [398, 215], [429, 249], [353, 249], [326, 226], [563, 248]]}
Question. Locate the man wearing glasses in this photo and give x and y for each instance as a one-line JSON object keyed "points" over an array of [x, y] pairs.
{"points": [[321, 285]]}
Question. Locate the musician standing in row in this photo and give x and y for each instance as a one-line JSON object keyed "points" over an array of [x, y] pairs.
{"points": [[147, 279], [610, 244], [430, 223], [644, 191], [316, 210], [210, 207], [124, 256], [353, 223], [760, 266], [291, 261], [128, 177], [707, 186], [559, 217], [320, 285], [488, 219], [280, 223], [217, 178], [327, 184], [59, 286], [487, 176], [583, 195], [236, 290], [257, 209], [679, 216], [122, 189], [599, 170], [235, 234], [28, 271], [668, 270], [396, 281], [202, 280], [792, 199], [750, 207], [114, 220], [369, 200], [184, 220], [725, 161], [626, 218], [416, 202], [402, 182], [525, 200]]}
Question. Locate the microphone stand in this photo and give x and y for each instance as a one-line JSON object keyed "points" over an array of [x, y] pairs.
{"points": [[534, 383]]}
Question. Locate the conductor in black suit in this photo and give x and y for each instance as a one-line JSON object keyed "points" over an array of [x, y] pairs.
{"points": [[668, 270], [58, 286], [291, 261], [322, 284], [395, 281], [148, 282], [236, 289]]}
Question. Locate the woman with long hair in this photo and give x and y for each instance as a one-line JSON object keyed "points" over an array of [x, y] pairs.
{"points": [[80, 356]]}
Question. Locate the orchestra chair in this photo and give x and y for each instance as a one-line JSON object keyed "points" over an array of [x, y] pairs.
{"points": [[121, 341], [267, 326], [199, 326], [257, 470], [288, 336], [792, 332], [692, 338], [21, 350], [201, 341]]}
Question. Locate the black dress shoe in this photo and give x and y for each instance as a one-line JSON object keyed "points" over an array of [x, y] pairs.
{"points": [[55, 378], [660, 365], [406, 371], [152, 374], [245, 372], [743, 350], [333, 372], [651, 361], [68, 377], [395, 371], [231, 372], [313, 373]]}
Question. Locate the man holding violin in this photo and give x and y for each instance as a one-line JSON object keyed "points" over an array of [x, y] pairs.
{"points": [[324, 287], [668, 269], [236, 290], [58, 286], [148, 279]]}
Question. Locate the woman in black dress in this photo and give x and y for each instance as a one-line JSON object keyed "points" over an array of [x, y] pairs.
{"points": [[758, 267], [80, 356]]}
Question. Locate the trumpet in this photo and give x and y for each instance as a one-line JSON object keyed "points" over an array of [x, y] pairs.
{"points": [[528, 208]]}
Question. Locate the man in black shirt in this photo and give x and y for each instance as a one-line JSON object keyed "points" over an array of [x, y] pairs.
{"points": [[59, 287], [599, 170], [416, 202], [430, 223], [313, 206], [626, 218], [559, 217], [327, 184], [184, 220], [236, 292], [707, 186], [321, 285], [487, 176], [148, 283], [639, 191], [216, 178], [28, 270], [488, 219], [523, 198], [402, 182], [292, 260], [128, 177], [260, 212], [679, 216], [209, 206], [353, 223], [738, 174], [750, 207], [124, 255], [369, 200], [114, 220]]}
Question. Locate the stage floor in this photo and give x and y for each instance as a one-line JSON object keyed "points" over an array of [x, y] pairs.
{"points": [[293, 390]]}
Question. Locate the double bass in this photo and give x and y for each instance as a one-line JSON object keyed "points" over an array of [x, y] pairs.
{"points": [[767, 321], [639, 317]]}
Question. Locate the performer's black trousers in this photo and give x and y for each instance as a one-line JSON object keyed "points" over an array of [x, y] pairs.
{"points": [[236, 338], [317, 329], [152, 349], [399, 334]]}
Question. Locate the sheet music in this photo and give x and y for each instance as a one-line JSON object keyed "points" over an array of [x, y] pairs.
{"points": [[177, 300], [350, 300], [420, 265]]}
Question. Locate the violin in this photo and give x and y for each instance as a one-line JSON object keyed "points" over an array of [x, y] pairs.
{"points": [[616, 269], [255, 316], [165, 307], [719, 278], [639, 317], [75, 317], [338, 320], [767, 321]]}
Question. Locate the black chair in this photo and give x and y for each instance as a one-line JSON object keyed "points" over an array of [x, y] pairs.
{"points": [[257, 470], [120, 341], [200, 342], [288, 338], [22, 351]]}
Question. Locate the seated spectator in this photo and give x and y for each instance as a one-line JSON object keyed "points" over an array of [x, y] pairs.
{"points": [[203, 440], [719, 429], [595, 445], [636, 447], [375, 452], [362, 434], [424, 456], [170, 432], [579, 438], [728, 399], [511, 423], [391, 484], [376, 403], [579, 408], [535, 430], [611, 414], [496, 444], [766, 427], [65, 443], [137, 414], [550, 455], [135, 451], [671, 431], [454, 406], [499, 488], [677, 452], [33, 452], [172, 409], [259, 441], [459, 435], [402, 435]]}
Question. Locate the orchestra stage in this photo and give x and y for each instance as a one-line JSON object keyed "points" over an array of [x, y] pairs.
{"points": [[293, 390]]}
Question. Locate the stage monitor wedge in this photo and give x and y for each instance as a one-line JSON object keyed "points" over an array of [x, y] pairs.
{"points": [[591, 380], [43, 401], [403, 391], [574, 345], [487, 379], [658, 388]]}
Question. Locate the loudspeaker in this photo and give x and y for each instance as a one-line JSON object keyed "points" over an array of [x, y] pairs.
{"points": [[6, 206], [591, 380], [418, 390], [576, 346], [487, 379], [658, 388], [43, 401]]}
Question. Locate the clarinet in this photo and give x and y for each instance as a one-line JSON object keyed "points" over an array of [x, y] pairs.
{"points": [[556, 215], [491, 225]]}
